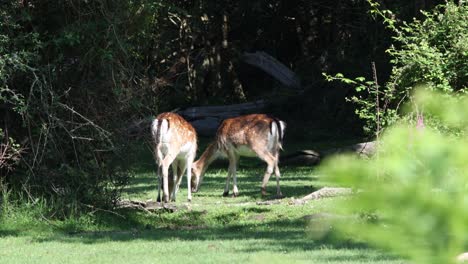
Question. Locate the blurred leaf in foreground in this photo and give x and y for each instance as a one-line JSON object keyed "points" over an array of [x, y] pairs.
{"points": [[416, 186]]}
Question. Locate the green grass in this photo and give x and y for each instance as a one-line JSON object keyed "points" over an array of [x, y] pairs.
{"points": [[211, 229]]}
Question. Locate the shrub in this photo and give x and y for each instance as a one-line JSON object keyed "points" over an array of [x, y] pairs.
{"points": [[431, 52], [415, 187], [69, 156]]}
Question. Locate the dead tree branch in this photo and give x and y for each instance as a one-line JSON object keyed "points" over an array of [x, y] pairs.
{"points": [[325, 192], [273, 67]]}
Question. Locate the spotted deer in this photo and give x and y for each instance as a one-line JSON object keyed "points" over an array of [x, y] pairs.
{"points": [[250, 135], [175, 143]]}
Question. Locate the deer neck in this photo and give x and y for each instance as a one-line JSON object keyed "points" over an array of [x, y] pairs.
{"points": [[209, 155]]}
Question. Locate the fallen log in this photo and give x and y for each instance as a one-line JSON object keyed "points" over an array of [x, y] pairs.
{"points": [[309, 157], [207, 126], [148, 206], [273, 67], [301, 157], [325, 192], [206, 119], [364, 148], [222, 111]]}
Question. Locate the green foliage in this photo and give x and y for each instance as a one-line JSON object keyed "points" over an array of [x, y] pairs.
{"points": [[68, 155], [431, 52], [375, 112], [415, 187], [17, 49], [434, 51]]}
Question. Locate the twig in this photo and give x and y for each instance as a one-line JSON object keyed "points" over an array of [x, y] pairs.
{"points": [[377, 104], [48, 221], [103, 210], [106, 134]]}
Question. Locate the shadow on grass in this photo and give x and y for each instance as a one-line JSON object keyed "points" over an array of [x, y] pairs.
{"points": [[4, 233], [275, 235], [281, 234], [249, 185]]}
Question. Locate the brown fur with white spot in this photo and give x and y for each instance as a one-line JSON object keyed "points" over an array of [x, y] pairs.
{"points": [[175, 143], [250, 135]]}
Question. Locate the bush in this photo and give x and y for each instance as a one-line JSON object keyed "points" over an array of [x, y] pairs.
{"points": [[432, 52], [69, 156], [415, 188]]}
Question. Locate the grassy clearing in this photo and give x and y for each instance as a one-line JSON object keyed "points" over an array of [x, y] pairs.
{"points": [[212, 229]]}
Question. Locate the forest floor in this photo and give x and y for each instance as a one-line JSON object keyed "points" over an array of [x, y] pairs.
{"points": [[210, 229]]}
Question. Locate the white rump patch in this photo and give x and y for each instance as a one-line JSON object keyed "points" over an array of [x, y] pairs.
{"points": [[154, 128], [276, 134], [163, 126], [283, 127]]}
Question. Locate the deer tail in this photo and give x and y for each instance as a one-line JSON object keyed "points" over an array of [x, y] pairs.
{"points": [[280, 128]]}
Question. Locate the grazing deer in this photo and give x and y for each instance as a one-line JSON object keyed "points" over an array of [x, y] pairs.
{"points": [[250, 135], [175, 143]]}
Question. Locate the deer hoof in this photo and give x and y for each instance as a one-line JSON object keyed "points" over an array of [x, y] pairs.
{"points": [[225, 194], [264, 193], [234, 195]]}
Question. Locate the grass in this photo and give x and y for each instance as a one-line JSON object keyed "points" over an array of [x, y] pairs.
{"points": [[211, 229]]}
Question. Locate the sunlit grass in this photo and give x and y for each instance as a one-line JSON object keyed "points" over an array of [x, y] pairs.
{"points": [[211, 229]]}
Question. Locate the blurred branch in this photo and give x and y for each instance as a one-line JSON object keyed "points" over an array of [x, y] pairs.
{"points": [[273, 67]]}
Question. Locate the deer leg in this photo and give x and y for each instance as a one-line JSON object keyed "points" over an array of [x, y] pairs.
{"points": [[165, 179], [189, 177], [266, 176], [270, 160], [278, 176], [180, 172], [159, 176], [167, 161], [226, 188], [175, 179], [234, 176], [231, 169], [156, 154]]}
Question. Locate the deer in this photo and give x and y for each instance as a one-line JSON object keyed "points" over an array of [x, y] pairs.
{"points": [[254, 135], [175, 144]]}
